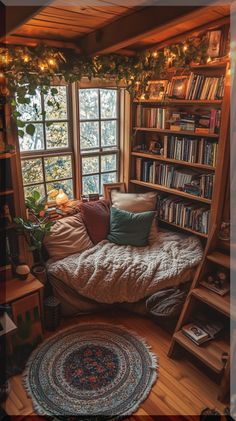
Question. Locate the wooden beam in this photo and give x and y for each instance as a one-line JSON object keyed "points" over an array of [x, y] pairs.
{"points": [[134, 27], [184, 35], [32, 42], [15, 16]]}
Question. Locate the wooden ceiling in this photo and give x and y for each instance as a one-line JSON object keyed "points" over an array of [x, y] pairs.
{"points": [[105, 27]]}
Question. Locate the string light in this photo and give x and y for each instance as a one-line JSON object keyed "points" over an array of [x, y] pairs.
{"points": [[209, 59], [26, 59], [185, 47], [52, 62], [155, 54], [42, 67]]}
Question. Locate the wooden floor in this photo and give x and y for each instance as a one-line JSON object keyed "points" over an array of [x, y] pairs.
{"points": [[182, 389]]}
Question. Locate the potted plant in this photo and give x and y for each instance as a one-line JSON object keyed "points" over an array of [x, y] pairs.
{"points": [[34, 229]]}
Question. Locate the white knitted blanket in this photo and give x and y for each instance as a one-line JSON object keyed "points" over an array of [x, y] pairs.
{"points": [[110, 273]]}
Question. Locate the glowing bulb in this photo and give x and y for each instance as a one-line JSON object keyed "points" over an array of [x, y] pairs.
{"points": [[185, 47], [51, 62], [2, 75], [26, 59], [155, 54], [42, 67], [209, 60]]}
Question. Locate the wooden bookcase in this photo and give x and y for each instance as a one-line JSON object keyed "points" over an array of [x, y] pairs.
{"points": [[11, 198], [143, 135]]}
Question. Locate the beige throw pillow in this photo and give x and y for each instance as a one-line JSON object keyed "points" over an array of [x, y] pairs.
{"points": [[67, 236], [137, 202]]}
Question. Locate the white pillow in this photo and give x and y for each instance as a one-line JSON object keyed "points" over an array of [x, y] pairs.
{"points": [[137, 202], [67, 236]]}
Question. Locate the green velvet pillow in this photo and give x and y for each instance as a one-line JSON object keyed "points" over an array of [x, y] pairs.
{"points": [[130, 228]]}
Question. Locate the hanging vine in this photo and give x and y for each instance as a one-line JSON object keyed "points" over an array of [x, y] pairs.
{"points": [[25, 69]]}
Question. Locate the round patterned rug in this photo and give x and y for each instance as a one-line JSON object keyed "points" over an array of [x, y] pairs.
{"points": [[90, 370]]}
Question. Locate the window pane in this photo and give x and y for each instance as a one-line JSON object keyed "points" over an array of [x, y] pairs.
{"points": [[108, 133], [56, 105], [57, 135], [32, 170], [90, 184], [88, 104], [108, 178], [90, 165], [39, 187], [108, 162], [66, 185], [32, 143], [57, 167], [33, 110], [89, 135], [108, 99]]}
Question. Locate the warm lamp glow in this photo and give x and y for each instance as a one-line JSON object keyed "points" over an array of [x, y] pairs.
{"points": [[61, 198], [2, 76], [209, 60], [155, 54], [26, 59], [185, 47], [42, 67]]}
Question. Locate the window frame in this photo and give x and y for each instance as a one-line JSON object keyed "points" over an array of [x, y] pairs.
{"points": [[100, 150], [53, 152]]}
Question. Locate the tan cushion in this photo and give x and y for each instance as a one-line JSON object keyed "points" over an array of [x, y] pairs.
{"points": [[67, 236], [137, 202]]}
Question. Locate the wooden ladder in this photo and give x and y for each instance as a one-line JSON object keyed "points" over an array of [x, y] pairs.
{"points": [[213, 354]]}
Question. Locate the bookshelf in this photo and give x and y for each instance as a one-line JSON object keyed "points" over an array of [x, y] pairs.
{"points": [[187, 149], [11, 201]]}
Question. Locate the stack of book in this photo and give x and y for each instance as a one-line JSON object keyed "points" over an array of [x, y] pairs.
{"points": [[202, 330], [150, 117], [209, 122], [184, 214], [182, 121], [205, 88], [169, 176]]}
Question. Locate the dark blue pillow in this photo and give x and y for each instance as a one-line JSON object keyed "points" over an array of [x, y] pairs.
{"points": [[130, 228]]}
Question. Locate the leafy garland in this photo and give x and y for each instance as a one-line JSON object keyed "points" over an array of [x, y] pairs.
{"points": [[27, 68]]}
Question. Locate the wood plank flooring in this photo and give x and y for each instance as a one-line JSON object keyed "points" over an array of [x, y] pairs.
{"points": [[181, 389]]}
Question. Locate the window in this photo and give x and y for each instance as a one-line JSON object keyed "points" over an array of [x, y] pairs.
{"points": [[99, 144], [46, 156]]}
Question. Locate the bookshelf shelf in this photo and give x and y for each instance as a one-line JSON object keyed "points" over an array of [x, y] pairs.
{"points": [[171, 191], [173, 161], [169, 101], [177, 132], [220, 303], [210, 353], [183, 228], [219, 258]]}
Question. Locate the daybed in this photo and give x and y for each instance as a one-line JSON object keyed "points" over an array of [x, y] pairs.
{"points": [[106, 274]]}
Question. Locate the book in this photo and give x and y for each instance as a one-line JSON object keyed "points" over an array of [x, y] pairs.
{"points": [[195, 333], [220, 291]]}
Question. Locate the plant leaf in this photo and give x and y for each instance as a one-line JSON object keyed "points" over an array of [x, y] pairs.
{"points": [[30, 129]]}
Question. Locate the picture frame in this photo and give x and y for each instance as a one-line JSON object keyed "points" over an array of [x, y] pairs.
{"points": [[109, 187], [178, 87], [157, 89], [214, 39]]}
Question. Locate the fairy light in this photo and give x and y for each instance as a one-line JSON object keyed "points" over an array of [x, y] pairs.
{"points": [[52, 62], [26, 59], [209, 59], [42, 67], [2, 75], [154, 54], [185, 47]]}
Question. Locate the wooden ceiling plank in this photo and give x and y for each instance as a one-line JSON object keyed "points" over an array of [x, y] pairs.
{"points": [[15, 16], [134, 27], [56, 24]]}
